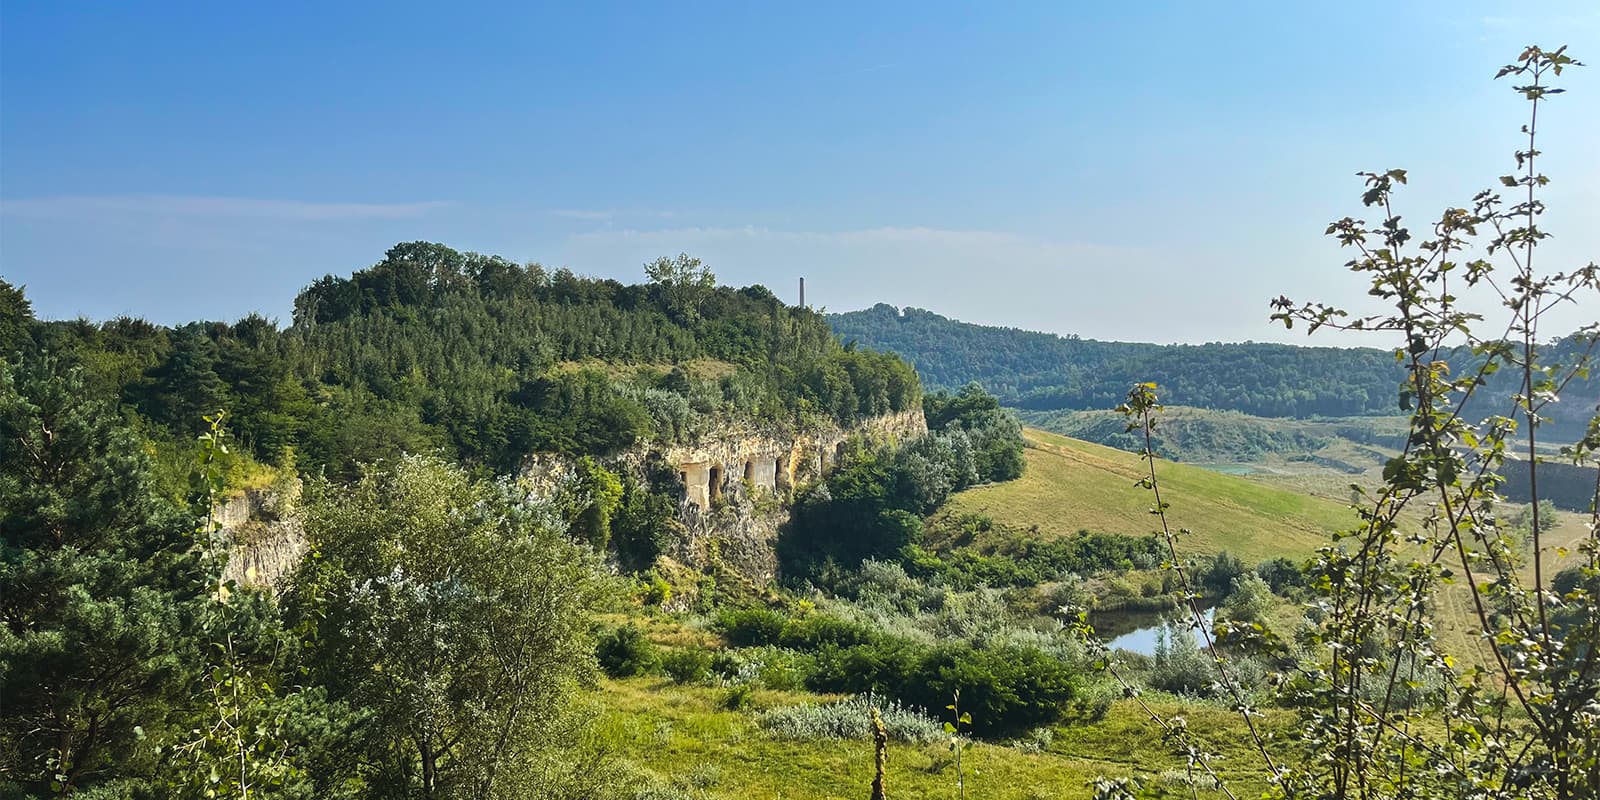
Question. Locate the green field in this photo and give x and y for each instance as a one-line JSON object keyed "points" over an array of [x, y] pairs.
{"points": [[683, 740], [1072, 485]]}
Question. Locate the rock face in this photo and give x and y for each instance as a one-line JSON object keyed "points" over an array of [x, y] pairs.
{"points": [[265, 538], [738, 484], [773, 462], [737, 487]]}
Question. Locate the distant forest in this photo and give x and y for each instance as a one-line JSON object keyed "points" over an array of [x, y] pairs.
{"points": [[1042, 371], [474, 355]]}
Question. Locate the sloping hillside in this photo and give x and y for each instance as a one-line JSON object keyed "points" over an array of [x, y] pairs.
{"points": [[1199, 435], [1032, 370], [1072, 485], [1042, 371]]}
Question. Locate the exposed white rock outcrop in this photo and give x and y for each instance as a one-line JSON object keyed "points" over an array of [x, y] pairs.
{"points": [[264, 535], [737, 486]]}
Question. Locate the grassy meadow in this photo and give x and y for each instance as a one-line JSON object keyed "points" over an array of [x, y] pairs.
{"points": [[683, 739], [1072, 485]]}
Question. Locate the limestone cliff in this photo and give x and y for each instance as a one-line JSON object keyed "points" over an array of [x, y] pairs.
{"points": [[737, 483], [265, 538], [737, 488]]}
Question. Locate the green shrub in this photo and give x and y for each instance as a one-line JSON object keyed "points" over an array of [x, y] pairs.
{"points": [[738, 696], [850, 719], [1218, 578], [687, 665], [815, 631], [885, 666], [729, 665], [751, 627], [624, 652], [1177, 665], [656, 591], [1281, 575], [1008, 689], [784, 670], [1038, 740]]}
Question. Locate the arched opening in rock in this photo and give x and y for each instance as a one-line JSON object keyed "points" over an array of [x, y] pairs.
{"points": [[750, 472], [780, 475], [696, 483], [716, 482]]}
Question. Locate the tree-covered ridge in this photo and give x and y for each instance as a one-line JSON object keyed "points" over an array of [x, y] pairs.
{"points": [[1045, 372], [433, 348], [1042, 371]]}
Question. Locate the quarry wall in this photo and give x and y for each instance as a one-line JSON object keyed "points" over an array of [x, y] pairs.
{"points": [[737, 486]]}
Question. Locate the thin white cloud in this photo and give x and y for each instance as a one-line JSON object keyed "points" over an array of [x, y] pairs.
{"points": [[608, 214], [583, 214], [850, 73], [195, 206], [901, 236]]}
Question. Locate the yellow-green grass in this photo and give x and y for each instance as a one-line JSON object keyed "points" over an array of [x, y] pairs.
{"points": [[1071, 485], [682, 736]]}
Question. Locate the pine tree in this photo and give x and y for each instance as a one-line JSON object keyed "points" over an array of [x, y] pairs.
{"points": [[98, 585], [186, 385], [16, 317]]}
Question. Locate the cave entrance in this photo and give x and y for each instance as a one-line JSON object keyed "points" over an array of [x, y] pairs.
{"points": [[750, 472], [716, 482]]}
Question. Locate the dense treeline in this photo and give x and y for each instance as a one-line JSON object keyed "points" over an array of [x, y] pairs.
{"points": [[479, 356], [1044, 371], [1203, 435]]}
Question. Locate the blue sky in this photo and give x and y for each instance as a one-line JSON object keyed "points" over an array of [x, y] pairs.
{"points": [[1148, 171]]}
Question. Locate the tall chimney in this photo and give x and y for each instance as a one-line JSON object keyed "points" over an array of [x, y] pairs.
{"points": [[802, 292]]}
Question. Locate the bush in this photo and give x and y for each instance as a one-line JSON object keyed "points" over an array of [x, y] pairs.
{"points": [[1218, 578], [1250, 601], [1025, 561], [687, 665], [656, 591], [1038, 740], [751, 627], [738, 696], [728, 665], [625, 652], [760, 627], [816, 631], [1281, 575], [1177, 665], [850, 719], [784, 670], [1007, 690]]}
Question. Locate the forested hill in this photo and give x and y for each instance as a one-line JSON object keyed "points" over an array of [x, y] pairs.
{"points": [[1044, 371], [478, 356]]}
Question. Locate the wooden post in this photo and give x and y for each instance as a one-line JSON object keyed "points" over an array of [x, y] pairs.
{"points": [[880, 739]]}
